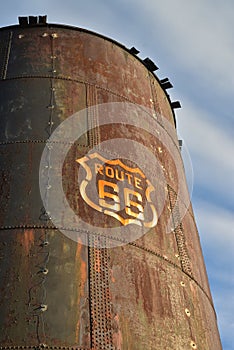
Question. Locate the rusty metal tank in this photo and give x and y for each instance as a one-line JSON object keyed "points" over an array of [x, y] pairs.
{"points": [[60, 293]]}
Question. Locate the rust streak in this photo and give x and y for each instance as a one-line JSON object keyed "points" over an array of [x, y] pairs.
{"points": [[82, 277], [112, 276], [83, 272], [117, 335], [27, 240]]}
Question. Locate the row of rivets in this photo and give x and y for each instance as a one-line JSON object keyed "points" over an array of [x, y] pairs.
{"points": [[44, 35], [188, 314]]}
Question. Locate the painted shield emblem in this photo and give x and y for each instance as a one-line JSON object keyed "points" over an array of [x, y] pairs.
{"points": [[117, 189]]}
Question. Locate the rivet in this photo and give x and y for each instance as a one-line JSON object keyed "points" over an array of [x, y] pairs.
{"points": [[45, 243], [48, 187], [160, 149], [43, 307], [54, 35], [193, 345], [51, 123], [21, 36], [44, 35], [187, 312], [44, 271], [182, 283], [50, 107]]}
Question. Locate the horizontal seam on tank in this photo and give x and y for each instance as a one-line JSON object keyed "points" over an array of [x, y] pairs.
{"points": [[4, 143], [176, 266], [115, 239], [67, 78], [41, 141], [40, 347], [83, 146]]}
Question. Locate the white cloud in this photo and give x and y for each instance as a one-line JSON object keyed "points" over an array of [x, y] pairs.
{"points": [[216, 226], [198, 35], [211, 149], [224, 303]]}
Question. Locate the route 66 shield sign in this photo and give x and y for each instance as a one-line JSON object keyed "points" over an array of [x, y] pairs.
{"points": [[117, 190]]}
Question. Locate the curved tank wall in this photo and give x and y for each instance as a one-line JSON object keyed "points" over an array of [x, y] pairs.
{"points": [[151, 293]]}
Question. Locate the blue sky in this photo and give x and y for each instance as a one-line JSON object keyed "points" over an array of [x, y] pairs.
{"points": [[192, 43]]}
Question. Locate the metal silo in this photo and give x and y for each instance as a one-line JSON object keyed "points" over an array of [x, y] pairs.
{"points": [[63, 286]]}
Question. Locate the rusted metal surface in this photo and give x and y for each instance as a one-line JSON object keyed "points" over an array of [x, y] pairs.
{"points": [[152, 293]]}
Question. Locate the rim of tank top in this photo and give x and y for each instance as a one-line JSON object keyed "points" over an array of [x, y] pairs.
{"points": [[87, 31]]}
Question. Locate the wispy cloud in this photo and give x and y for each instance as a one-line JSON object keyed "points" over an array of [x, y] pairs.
{"points": [[197, 34], [216, 226], [224, 301], [211, 149]]}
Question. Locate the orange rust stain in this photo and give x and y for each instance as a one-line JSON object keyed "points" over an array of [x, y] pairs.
{"points": [[112, 276], [27, 239], [77, 331], [117, 336], [83, 270], [82, 276]]}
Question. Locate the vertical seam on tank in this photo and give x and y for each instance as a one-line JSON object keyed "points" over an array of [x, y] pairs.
{"points": [[101, 310], [91, 103], [152, 95], [179, 233], [45, 216], [90, 295], [86, 106], [8, 51]]}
